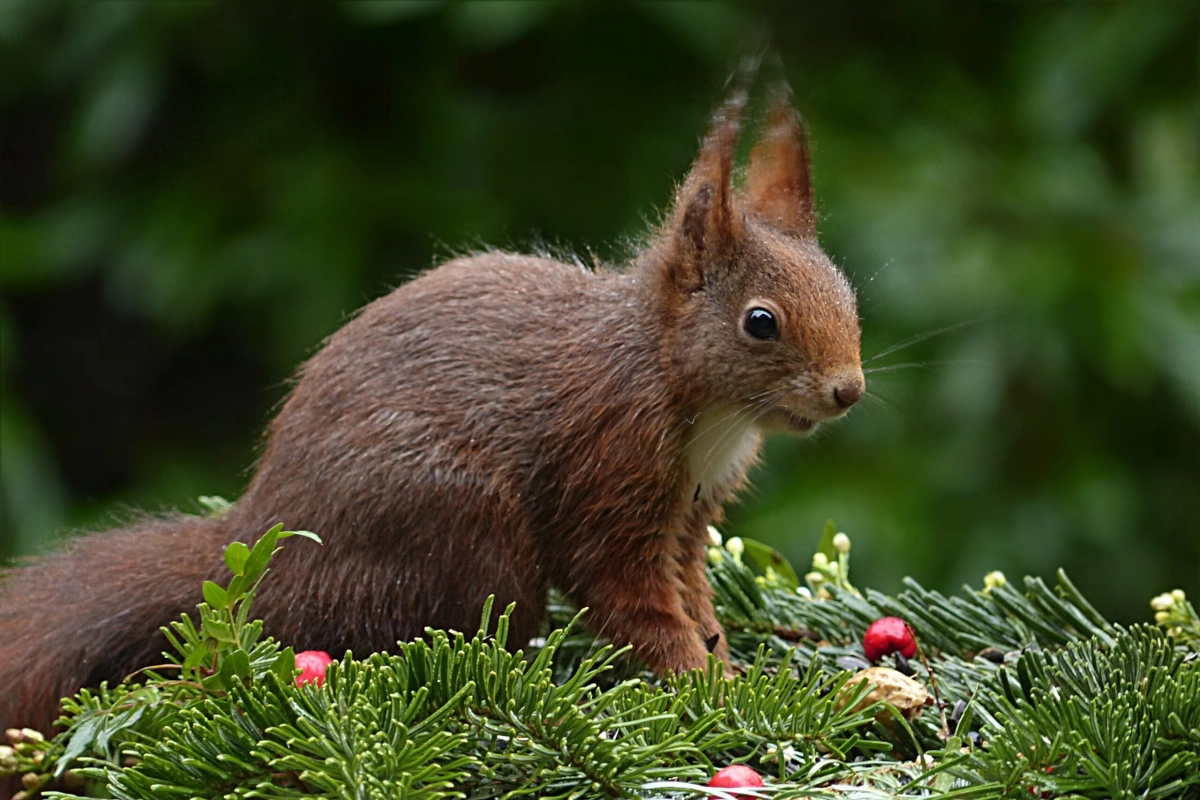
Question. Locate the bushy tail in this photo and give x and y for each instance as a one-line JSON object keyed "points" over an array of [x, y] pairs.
{"points": [[92, 612]]}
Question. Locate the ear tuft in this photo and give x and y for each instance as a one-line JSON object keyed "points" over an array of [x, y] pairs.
{"points": [[779, 186], [694, 225], [704, 222]]}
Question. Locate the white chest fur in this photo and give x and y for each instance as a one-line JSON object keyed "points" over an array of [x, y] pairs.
{"points": [[723, 444]]}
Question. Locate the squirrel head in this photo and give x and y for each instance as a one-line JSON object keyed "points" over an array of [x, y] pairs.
{"points": [[754, 314]]}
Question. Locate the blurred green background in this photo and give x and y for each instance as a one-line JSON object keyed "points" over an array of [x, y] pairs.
{"points": [[194, 194]]}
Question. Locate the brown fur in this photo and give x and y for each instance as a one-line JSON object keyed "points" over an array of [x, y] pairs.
{"points": [[501, 424]]}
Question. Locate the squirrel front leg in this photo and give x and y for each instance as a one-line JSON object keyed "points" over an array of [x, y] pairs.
{"points": [[638, 602], [696, 593]]}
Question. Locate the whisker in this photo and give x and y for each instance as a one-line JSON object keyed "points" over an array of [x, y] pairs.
{"points": [[920, 337], [865, 285], [880, 396], [886, 264], [873, 395], [911, 364]]}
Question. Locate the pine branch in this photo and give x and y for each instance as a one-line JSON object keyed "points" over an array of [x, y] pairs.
{"points": [[1123, 720], [1045, 695]]}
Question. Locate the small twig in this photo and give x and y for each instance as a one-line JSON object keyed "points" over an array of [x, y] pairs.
{"points": [[154, 666], [944, 733]]}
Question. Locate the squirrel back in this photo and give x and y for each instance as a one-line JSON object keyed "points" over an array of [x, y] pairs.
{"points": [[500, 425]]}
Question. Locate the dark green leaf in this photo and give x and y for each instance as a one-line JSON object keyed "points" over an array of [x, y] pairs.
{"points": [[235, 665], [284, 666], [764, 556]]}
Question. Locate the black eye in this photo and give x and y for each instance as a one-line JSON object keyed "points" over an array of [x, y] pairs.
{"points": [[761, 324]]}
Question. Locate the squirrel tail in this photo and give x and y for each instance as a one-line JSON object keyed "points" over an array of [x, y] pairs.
{"points": [[84, 615]]}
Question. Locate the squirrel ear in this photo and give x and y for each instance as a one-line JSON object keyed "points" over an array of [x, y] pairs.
{"points": [[704, 221], [779, 186]]}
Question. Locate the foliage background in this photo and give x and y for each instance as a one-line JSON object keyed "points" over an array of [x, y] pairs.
{"points": [[194, 194]]}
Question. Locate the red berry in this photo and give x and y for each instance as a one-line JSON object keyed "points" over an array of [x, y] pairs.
{"points": [[888, 635], [738, 776], [312, 664]]}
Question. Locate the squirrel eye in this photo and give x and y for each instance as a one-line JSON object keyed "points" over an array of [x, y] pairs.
{"points": [[761, 324]]}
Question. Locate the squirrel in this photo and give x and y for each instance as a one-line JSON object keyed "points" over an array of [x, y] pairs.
{"points": [[500, 425]]}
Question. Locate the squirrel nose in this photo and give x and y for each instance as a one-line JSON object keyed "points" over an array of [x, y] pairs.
{"points": [[848, 393]]}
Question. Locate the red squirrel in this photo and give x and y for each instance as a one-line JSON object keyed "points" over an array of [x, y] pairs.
{"points": [[500, 425]]}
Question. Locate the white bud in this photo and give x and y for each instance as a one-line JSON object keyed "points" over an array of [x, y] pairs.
{"points": [[815, 578], [1163, 602], [841, 543], [1179, 595], [1162, 616], [994, 579], [735, 547], [714, 536], [30, 735], [803, 591], [820, 561]]}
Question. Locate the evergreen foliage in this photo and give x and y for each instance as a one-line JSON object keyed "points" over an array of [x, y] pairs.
{"points": [[1125, 719], [1039, 695]]}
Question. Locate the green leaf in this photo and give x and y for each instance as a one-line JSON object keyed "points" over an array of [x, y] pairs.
{"points": [[765, 557], [243, 612], [264, 548], [235, 557], [305, 534], [235, 664], [200, 655], [215, 505], [826, 545], [215, 596], [81, 738], [284, 666], [213, 683], [221, 631]]}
